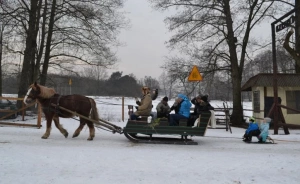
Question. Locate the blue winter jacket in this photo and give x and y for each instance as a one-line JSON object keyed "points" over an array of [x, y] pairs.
{"points": [[185, 106], [252, 126], [264, 131]]}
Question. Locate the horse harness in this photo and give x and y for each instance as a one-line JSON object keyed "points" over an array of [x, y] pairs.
{"points": [[57, 105], [56, 108]]}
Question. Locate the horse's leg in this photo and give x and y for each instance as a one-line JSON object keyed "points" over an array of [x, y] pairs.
{"points": [[48, 128], [78, 130], [92, 130], [60, 127]]}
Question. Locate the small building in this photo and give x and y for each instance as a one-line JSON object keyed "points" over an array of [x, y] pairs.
{"points": [[288, 86]]}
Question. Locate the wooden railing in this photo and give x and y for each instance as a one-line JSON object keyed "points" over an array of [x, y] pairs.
{"points": [[22, 110]]}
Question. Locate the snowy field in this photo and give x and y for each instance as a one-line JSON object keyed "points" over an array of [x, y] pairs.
{"points": [[219, 158]]}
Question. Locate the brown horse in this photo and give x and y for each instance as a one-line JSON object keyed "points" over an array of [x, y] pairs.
{"points": [[51, 101]]}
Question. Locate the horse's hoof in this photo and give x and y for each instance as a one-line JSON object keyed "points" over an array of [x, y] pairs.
{"points": [[90, 139], [75, 135], [66, 135], [44, 137]]}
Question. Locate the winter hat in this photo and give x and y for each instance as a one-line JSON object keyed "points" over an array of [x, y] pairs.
{"points": [[145, 90], [165, 99], [267, 119], [252, 119], [204, 98]]}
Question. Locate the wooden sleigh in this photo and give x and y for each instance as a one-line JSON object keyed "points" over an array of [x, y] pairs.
{"points": [[159, 131]]}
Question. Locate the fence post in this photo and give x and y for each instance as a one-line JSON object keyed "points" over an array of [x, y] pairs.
{"points": [[123, 108], [39, 119], [23, 111]]}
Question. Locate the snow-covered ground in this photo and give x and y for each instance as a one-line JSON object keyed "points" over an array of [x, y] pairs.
{"points": [[219, 157]]}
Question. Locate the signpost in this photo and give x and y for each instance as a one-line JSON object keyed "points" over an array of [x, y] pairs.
{"points": [[276, 111], [285, 24], [195, 75]]}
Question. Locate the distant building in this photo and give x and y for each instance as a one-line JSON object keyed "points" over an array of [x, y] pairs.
{"points": [[261, 86]]}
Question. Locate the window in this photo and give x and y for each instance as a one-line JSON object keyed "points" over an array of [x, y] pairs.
{"points": [[293, 101], [256, 101]]}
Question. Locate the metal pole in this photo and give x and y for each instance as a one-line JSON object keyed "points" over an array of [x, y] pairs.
{"points": [[275, 89]]}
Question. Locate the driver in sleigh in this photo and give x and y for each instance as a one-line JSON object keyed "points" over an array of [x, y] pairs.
{"points": [[145, 105]]}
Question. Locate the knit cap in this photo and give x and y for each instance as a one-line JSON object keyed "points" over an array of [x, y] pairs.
{"points": [[267, 119], [252, 119]]}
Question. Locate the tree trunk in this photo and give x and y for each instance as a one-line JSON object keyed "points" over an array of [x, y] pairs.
{"points": [[1, 37], [297, 31], [37, 63], [29, 53], [237, 114], [290, 50], [48, 44]]}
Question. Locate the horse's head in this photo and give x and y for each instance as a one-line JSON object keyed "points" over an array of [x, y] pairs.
{"points": [[33, 92]]}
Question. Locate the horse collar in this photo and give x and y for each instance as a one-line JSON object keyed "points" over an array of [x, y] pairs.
{"points": [[58, 100], [57, 105]]}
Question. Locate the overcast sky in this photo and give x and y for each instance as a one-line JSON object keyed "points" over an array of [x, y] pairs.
{"points": [[145, 48]]}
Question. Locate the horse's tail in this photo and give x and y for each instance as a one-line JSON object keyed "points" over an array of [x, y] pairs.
{"points": [[94, 111]]}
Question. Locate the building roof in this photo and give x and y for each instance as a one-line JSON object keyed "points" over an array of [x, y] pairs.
{"points": [[266, 80]]}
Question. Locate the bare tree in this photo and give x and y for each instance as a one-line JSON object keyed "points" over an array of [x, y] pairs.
{"points": [[70, 32], [218, 25], [150, 82], [166, 85], [30, 49]]}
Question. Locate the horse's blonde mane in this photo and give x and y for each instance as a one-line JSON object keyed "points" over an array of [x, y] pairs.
{"points": [[45, 91]]}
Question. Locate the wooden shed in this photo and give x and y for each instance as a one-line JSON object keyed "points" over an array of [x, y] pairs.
{"points": [[288, 85]]}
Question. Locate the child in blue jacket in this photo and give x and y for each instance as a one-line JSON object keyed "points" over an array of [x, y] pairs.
{"points": [[252, 130]]}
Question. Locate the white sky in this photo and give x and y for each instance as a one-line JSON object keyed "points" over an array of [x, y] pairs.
{"points": [[219, 158], [145, 40]]}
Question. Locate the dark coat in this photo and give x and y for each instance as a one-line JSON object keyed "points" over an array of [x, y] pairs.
{"points": [[176, 107], [162, 109], [199, 107]]}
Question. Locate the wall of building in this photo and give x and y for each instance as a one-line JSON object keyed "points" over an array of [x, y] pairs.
{"points": [[289, 118]]}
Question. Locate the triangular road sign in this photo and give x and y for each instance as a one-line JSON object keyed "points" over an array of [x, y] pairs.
{"points": [[195, 75]]}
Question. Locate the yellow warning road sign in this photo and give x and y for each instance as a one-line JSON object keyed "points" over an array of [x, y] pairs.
{"points": [[195, 75]]}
